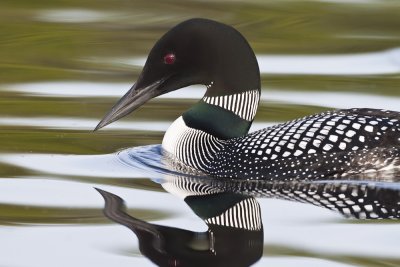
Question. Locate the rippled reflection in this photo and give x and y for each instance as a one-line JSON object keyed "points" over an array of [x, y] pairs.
{"points": [[234, 236]]}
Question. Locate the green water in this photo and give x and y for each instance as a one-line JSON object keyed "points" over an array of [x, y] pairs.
{"points": [[65, 63]]}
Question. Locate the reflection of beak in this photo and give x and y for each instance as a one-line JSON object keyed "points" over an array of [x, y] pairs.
{"points": [[134, 98]]}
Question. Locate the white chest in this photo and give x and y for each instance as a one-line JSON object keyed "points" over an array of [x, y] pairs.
{"points": [[173, 136], [193, 147]]}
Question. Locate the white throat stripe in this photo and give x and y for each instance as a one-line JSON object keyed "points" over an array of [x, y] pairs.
{"points": [[243, 105]]}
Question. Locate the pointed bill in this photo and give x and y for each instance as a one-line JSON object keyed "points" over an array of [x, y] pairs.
{"points": [[134, 98]]}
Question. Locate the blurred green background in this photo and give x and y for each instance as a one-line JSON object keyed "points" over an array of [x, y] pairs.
{"points": [[53, 40]]}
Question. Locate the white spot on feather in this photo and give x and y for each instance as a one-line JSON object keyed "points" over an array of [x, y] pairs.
{"points": [[369, 128]]}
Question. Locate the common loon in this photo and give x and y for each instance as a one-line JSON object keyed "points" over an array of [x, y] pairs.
{"points": [[212, 136]]}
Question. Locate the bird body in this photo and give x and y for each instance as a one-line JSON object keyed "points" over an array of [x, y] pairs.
{"points": [[330, 144]]}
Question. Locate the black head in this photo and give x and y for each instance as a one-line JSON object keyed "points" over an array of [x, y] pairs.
{"points": [[196, 51]]}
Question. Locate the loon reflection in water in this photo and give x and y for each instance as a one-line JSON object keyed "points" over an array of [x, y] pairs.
{"points": [[235, 232], [212, 136], [223, 244]]}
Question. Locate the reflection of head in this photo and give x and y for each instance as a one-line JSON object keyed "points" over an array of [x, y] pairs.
{"points": [[234, 237]]}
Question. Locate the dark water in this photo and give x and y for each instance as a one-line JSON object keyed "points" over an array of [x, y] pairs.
{"points": [[63, 64]]}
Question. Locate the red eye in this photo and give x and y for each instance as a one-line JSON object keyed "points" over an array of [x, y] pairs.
{"points": [[169, 58]]}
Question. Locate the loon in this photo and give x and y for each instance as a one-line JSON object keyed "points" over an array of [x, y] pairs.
{"points": [[212, 136]]}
